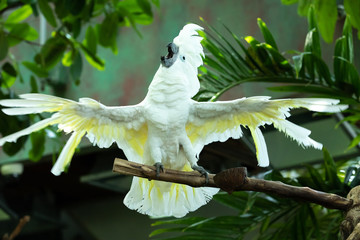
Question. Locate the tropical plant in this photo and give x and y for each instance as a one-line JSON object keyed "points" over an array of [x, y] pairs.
{"points": [[262, 62], [261, 215], [327, 13], [270, 217], [65, 48]]}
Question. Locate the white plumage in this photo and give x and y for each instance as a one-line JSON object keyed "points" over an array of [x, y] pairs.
{"points": [[167, 127]]}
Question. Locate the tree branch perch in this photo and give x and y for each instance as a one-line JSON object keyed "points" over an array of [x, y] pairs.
{"points": [[234, 179]]}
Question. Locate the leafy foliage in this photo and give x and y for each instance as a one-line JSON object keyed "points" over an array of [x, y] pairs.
{"points": [[66, 47], [249, 60], [270, 217], [326, 13]]}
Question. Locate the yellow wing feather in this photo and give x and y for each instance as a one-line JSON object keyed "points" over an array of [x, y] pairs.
{"points": [[218, 121], [102, 125]]}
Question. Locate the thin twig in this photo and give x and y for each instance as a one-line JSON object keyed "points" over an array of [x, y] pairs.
{"points": [[24, 220], [233, 179]]}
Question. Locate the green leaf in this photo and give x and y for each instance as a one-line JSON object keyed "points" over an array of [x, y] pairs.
{"points": [[354, 142], [3, 4], [279, 62], [288, 2], [108, 30], [68, 58], [250, 201], [265, 224], [236, 200], [322, 70], [37, 145], [7, 80], [165, 230], [312, 60], [47, 12], [75, 7], [76, 69], [311, 18], [38, 71], [197, 237], [326, 15], [11, 124], [134, 11], [269, 39], [11, 148], [298, 60], [347, 32], [145, 6], [339, 66], [76, 27], [156, 2], [33, 85], [351, 75], [96, 62], [343, 55], [312, 41], [352, 8], [20, 14], [21, 32], [9, 69], [185, 220], [330, 170], [303, 7], [4, 45], [218, 226], [329, 92], [61, 9], [93, 59], [90, 41], [51, 52]]}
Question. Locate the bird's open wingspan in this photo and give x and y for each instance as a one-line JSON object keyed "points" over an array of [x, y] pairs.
{"points": [[218, 121], [102, 125]]}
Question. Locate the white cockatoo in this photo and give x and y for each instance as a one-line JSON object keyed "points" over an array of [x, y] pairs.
{"points": [[167, 129]]}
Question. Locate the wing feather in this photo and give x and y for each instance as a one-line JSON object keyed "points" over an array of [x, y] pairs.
{"points": [[101, 124], [218, 121]]}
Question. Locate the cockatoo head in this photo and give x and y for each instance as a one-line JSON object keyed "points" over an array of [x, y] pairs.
{"points": [[185, 56], [186, 47]]}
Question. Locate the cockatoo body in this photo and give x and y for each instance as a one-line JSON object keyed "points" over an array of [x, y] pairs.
{"points": [[167, 129]]}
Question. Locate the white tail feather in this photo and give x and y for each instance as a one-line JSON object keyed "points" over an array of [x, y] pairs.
{"points": [[151, 198]]}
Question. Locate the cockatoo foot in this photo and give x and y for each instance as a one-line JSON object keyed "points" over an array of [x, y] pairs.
{"points": [[203, 172], [159, 168]]}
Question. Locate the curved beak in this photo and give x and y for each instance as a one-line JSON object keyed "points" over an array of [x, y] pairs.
{"points": [[170, 58]]}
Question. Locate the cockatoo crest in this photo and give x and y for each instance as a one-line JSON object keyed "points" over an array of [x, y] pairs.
{"points": [[183, 59], [189, 43]]}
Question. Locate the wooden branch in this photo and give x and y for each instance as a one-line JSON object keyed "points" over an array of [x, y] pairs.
{"points": [[234, 179], [350, 226], [22, 222]]}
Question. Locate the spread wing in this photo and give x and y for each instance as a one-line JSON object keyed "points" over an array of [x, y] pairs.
{"points": [[218, 121], [101, 124]]}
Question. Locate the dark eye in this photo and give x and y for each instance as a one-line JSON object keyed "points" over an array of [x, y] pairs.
{"points": [[183, 58]]}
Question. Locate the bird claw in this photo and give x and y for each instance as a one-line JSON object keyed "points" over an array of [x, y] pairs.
{"points": [[203, 172], [159, 168]]}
